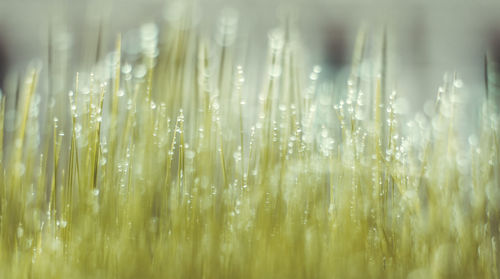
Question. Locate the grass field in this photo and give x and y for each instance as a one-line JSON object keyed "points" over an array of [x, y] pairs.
{"points": [[166, 166]]}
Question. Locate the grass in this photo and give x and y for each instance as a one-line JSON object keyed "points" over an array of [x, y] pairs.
{"points": [[158, 167]]}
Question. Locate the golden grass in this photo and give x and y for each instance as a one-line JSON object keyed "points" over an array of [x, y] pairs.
{"points": [[150, 169]]}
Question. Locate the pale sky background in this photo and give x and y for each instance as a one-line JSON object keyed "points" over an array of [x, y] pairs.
{"points": [[427, 38]]}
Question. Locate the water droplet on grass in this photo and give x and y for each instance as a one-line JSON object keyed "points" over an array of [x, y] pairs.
{"points": [[20, 168], [127, 68], [20, 231], [458, 83], [237, 156], [275, 71], [63, 224], [189, 154], [473, 140]]}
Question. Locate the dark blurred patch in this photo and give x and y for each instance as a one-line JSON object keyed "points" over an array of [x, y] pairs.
{"points": [[335, 45], [3, 61], [492, 66], [494, 42]]}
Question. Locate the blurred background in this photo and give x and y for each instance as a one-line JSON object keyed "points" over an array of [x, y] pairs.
{"points": [[425, 38]]}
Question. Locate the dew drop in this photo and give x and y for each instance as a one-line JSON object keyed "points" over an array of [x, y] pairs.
{"points": [[127, 68], [458, 83], [20, 231], [63, 224], [324, 133], [237, 156], [78, 128], [275, 71], [473, 141]]}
